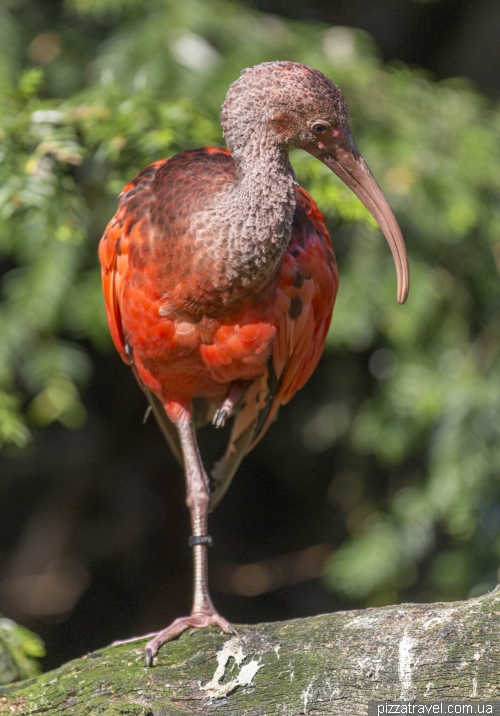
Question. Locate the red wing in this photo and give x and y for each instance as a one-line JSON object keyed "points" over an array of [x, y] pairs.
{"points": [[306, 296], [113, 256], [113, 267]]}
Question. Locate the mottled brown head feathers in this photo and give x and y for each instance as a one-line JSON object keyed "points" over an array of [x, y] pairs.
{"points": [[285, 97]]}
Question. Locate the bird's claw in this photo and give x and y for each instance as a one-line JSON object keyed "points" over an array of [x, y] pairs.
{"points": [[194, 621], [149, 656], [221, 415], [226, 408]]}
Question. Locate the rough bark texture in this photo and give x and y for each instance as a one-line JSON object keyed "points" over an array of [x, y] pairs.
{"points": [[330, 664]]}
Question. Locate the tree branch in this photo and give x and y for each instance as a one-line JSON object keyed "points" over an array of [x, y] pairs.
{"points": [[330, 664]]}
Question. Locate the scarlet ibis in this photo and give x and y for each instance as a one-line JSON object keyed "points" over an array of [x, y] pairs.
{"points": [[219, 278]]}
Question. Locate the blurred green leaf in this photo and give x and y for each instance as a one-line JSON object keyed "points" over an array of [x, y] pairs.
{"points": [[19, 651]]}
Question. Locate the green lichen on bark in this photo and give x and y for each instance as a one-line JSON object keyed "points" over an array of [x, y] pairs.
{"points": [[330, 664]]}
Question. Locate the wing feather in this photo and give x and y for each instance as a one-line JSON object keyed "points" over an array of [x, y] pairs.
{"points": [[304, 298], [113, 267], [114, 253], [309, 280]]}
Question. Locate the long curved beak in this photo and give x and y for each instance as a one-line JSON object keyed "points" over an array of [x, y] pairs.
{"points": [[341, 155]]}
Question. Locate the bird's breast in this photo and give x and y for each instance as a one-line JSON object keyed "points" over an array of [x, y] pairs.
{"points": [[181, 354]]}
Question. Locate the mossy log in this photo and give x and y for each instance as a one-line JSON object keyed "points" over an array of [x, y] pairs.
{"points": [[329, 664]]}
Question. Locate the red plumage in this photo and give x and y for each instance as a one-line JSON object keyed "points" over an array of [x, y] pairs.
{"points": [[184, 338]]}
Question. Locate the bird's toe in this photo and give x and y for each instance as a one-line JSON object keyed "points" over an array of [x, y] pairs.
{"points": [[220, 417], [149, 656]]}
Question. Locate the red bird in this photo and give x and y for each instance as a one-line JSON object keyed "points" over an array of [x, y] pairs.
{"points": [[220, 278]]}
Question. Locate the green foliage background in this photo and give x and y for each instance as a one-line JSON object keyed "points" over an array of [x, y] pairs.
{"points": [[19, 650], [127, 83]]}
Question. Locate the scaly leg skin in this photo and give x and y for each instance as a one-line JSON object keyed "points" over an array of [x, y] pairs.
{"points": [[203, 612]]}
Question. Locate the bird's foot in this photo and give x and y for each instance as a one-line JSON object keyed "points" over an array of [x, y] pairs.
{"points": [[226, 408], [119, 642], [193, 621], [222, 414]]}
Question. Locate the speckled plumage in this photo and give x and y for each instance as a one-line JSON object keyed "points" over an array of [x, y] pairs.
{"points": [[263, 116]]}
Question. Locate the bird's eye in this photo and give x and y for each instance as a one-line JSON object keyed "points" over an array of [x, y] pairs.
{"points": [[319, 127]]}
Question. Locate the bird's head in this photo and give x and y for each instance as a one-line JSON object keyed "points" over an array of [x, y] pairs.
{"points": [[295, 106]]}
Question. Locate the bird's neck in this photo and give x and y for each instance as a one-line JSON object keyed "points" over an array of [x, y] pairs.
{"points": [[257, 212]]}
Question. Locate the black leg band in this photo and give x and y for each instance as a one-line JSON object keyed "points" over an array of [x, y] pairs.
{"points": [[201, 539]]}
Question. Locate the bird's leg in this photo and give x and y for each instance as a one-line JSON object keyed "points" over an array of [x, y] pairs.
{"points": [[203, 612], [226, 408]]}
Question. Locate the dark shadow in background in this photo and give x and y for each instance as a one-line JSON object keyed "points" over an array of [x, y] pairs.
{"points": [[450, 38]]}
